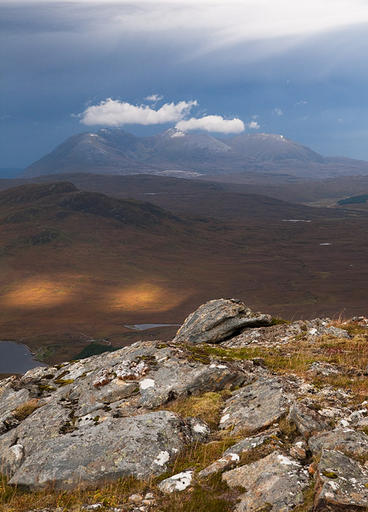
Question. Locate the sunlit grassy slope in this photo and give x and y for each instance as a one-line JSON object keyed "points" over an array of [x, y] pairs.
{"points": [[79, 266]]}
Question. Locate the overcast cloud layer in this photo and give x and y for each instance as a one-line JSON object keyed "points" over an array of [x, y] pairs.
{"points": [[281, 66]]}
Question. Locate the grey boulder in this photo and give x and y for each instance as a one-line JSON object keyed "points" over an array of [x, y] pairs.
{"points": [[256, 406], [307, 420], [274, 483], [218, 320], [341, 484], [140, 446], [351, 442]]}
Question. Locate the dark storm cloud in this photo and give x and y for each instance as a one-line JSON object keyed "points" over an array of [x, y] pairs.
{"points": [[59, 57]]}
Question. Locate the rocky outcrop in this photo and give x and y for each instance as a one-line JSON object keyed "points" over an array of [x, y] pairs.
{"points": [[97, 420], [218, 320], [183, 415], [140, 446], [281, 334]]}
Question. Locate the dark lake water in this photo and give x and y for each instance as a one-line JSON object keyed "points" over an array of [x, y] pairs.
{"points": [[16, 358]]}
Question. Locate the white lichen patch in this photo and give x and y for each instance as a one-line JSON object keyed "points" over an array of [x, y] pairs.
{"points": [[233, 457], [285, 460], [130, 370], [178, 482], [224, 418], [18, 451], [103, 378], [200, 429], [146, 384], [162, 458]]}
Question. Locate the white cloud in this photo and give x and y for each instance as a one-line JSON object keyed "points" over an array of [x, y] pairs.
{"points": [[253, 125], [278, 111], [154, 98], [118, 113], [216, 124]]}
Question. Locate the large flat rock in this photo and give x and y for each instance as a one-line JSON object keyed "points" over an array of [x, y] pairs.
{"points": [[256, 406], [140, 446]]}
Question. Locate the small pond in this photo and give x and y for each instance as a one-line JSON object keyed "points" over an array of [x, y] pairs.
{"points": [[144, 327], [16, 358]]}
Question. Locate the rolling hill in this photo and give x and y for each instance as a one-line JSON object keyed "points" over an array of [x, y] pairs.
{"points": [[79, 265]]}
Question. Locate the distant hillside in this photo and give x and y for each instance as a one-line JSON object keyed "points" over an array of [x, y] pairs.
{"points": [[79, 266], [114, 151], [201, 199]]}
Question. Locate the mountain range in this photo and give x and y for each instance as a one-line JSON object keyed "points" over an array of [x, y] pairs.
{"points": [[174, 153]]}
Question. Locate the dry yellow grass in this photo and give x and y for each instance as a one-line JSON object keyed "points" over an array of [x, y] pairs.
{"points": [[207, 407], [26, 409]]}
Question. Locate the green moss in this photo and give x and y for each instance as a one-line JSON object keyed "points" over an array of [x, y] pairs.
{"points": [[308, 495], [63, 382], [46, 387], [278, 321], [330, 474]]}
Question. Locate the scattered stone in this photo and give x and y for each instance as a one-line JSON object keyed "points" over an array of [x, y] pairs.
{"points": [[275, 481], [323, 369], [342, 484], [256, 406], [226, 462], [281, 334], [178, 482], [218, 320], [299, 450], [136, 498], [250, 443]]}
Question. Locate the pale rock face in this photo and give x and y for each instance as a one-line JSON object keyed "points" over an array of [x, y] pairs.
{"points": [[276, 480], [255, 406], [350, 442], [226, 462], [140, 446]]}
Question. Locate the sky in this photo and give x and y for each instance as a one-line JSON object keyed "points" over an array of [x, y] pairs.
{"points": [[223, 67]]}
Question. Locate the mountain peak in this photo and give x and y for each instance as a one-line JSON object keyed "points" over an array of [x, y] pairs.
{"points": [[115, 151]]}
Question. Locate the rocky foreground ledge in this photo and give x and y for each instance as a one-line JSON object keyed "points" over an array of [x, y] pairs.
{"points": [[242, 410]]}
